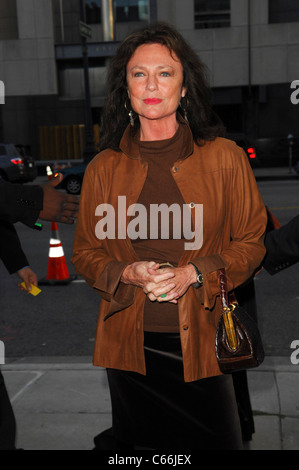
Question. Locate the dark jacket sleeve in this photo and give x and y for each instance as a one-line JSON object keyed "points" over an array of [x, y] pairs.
{"points": [[282, 247], [11, 252], [20, 203]]}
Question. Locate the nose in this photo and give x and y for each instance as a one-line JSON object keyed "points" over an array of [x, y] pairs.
{"points": [[151, 84]]}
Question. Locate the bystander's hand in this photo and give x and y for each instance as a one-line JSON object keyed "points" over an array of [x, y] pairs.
{"points": [[27, 276], [58, 206]]}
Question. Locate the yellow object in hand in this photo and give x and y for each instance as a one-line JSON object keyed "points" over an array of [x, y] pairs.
{"points": [[34, 290]]}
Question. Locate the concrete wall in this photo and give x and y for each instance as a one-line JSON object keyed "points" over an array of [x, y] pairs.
{"points": [[28, 67], [274, 47], [27, 64]]}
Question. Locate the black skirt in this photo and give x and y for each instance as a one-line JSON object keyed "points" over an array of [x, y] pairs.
{"points": [[161, 411]]}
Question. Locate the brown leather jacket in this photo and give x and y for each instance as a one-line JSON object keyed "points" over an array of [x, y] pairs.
{"points": [[216, 175]]}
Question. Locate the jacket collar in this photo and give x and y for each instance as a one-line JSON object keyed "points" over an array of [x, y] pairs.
{"points": [[129, 143]]}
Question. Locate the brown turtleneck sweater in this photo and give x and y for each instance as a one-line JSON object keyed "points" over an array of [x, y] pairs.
{"points": [[160, 188]]}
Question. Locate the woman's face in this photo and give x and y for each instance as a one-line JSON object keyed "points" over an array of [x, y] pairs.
{"points": [[155, 79]]}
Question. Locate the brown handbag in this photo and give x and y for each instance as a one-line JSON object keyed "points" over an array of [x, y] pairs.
{"points": [[238, 342]]}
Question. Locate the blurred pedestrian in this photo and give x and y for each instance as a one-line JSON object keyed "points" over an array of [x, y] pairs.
{"points": [[282, 247], [282, 251], [26, 203]]}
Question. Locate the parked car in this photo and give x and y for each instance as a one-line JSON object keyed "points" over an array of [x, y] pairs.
{"points": [[14, 167], [72, 178], [275, 151], [250, 152], [248, 146], [29, 162]]}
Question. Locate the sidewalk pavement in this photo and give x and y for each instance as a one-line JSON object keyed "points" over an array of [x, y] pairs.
{"points": [[275, 173], [62, 403]]}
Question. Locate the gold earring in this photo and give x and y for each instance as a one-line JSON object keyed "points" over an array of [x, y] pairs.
{"points": [[184, 109], [131, 115]]}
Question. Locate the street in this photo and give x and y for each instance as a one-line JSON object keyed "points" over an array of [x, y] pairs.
{"points": [[61, 320], [278, 296]]}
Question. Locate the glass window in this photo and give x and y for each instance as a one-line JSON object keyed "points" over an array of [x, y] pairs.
{"points": [[283, 11], [93, 11], [8, 20], [211, 13], [131, 10], [125, 10]]}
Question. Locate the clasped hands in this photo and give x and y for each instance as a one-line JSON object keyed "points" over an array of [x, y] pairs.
{"points": [[162, 285]]}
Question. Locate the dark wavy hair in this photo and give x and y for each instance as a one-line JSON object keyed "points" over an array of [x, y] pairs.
{"points": [[204, 123]]}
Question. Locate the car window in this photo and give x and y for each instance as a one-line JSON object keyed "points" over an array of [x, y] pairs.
{"points": [[2, 150], [11, 149]]}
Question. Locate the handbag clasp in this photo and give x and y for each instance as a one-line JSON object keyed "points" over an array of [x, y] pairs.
{"points": [[230, 327]]}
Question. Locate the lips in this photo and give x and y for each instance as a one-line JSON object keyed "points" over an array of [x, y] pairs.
{"points": [[152, 101]]}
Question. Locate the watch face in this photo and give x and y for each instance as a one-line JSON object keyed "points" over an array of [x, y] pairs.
{"points": [[199, 278]]}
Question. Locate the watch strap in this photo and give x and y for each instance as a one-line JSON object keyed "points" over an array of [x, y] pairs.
{"points": [[199, 277]]}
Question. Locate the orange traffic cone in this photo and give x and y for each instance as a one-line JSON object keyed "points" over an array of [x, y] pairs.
{"points": [[57, 269], [49, 172]]}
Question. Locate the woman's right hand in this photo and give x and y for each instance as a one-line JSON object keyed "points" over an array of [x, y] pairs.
{"points": [[146, 274]]}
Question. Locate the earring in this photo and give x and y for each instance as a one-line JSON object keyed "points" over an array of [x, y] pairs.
{"points": [[131, 118], [184, 109], [131, 115]]}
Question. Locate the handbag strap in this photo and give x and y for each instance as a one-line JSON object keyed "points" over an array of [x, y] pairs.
{"points": [[223, 289], [226, 299]]}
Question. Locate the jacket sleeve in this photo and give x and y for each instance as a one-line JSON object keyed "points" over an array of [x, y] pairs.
{"points": [[246, 214], [282, 247], [20, 203], [11, 252], [91, 257]]}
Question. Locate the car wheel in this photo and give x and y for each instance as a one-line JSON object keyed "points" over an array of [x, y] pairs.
{"points": [[73, 185]]}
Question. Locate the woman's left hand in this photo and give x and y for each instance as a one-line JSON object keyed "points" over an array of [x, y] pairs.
{"points": [[184, 276]]}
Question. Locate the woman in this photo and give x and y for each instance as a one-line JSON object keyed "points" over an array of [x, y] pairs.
{"points": [[156, 327]]}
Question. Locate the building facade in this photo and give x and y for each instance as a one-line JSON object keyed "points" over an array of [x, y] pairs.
{"points": [[251, 48]]}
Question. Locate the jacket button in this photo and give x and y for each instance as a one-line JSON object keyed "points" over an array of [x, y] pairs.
{"points": [[185, 327]]}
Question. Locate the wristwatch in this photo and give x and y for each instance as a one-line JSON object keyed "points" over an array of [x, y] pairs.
{"points": [[199, 277]]}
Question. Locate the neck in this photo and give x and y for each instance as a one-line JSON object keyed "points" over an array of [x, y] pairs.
{"points": [[158, 129]]}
